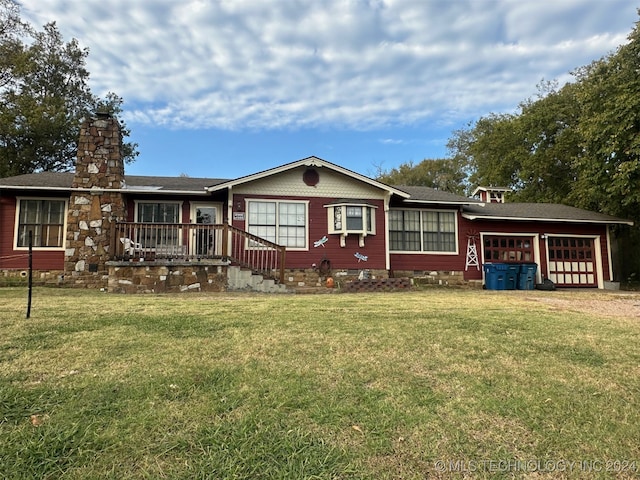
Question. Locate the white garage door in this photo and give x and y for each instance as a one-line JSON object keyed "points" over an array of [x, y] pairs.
{"points": [[572, 262]]}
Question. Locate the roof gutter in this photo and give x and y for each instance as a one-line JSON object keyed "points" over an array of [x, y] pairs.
{"points": [[440, 202], [100, 190], [554, 220]]}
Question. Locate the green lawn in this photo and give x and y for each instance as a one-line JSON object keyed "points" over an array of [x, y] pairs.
{"points": [[429, 384]]}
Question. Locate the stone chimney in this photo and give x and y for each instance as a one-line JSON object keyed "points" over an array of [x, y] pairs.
{"points": [[96, 202]]}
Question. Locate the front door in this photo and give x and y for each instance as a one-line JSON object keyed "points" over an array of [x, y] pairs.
{"points": [[203, 242]]}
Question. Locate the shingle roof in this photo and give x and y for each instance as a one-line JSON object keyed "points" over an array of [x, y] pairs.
{"points": [[431, 195], [472, 208], [57, 180], [548, 212], [42, 179], [172, 183]]}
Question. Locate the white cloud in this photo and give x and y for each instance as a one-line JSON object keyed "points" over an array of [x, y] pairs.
{"points": [[360, 64]]}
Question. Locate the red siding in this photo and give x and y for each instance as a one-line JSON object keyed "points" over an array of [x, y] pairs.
{"points": [[430, 262], [340, 257], [18, 259], [539, 228]]}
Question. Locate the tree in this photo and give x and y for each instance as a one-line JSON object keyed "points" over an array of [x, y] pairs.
{"points": [[442, 174], [488, 149], [11, 29], [579, 144], [609, 99], [532, 151], [44, 98]]}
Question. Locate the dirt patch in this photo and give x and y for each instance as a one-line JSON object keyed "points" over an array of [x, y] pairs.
{"points": [[595, 302]]}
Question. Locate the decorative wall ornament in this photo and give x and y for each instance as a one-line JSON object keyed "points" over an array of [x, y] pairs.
{"points": [[337, 218], [360, 257], [311, 177], [321, 242]]}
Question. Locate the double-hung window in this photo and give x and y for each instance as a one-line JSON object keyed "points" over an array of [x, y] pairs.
{"points": [[429, 231], [404, 230], [284, 223], [439, 231], [45, 219]]}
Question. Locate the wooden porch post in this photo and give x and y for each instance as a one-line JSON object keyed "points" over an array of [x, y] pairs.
{"points": [[283, 252], [225, 240]]}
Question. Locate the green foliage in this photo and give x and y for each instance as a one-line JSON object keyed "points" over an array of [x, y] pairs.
{"points": [[44, 95], [531, 152], [445, 174], [609, 99], [578, 144]]}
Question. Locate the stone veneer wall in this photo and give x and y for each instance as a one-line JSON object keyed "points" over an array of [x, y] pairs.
{"points": [[311, 278], [96, 202], [441, 278], [135, 277], [18, 278]]}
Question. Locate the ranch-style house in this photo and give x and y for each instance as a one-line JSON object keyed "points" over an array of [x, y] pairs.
{"points": [[298, 225]]}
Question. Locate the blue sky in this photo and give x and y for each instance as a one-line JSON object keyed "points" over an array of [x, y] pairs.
{"points": [[227, 88]]}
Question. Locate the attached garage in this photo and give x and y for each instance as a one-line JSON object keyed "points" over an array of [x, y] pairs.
{"points": [[572, 261], [570, 246]]}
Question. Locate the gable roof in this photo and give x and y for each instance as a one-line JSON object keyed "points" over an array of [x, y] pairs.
{"points": [[62, 181], [540, 212], [308, 162]]}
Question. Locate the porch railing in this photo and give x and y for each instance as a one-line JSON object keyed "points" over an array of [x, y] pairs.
{"points": [[198, 242]]}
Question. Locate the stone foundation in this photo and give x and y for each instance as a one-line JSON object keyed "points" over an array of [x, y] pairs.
{"points": [[312, 279], [441, 278], [16, 278], [88, 279], [171, 277]]}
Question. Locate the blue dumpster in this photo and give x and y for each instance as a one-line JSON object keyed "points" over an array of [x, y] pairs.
{"points": [[493, 280], [500, 276], [527, 276], [511, 276]]}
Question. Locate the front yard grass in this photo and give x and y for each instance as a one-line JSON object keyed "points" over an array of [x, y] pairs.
{"points": [[429, 384]]}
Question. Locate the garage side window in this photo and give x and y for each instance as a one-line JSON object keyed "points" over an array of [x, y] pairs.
{"points": [[45, 218]]}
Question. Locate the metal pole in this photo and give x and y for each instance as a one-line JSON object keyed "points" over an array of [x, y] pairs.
{"points": [[30, 273]]}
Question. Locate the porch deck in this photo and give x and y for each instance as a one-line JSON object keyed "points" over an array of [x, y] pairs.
{"points": [[211, 244]]}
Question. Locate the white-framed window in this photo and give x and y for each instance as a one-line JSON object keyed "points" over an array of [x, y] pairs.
{"points": [[351, 218], [404, 230], [431, 231], [279, 221], [45, 218]]}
